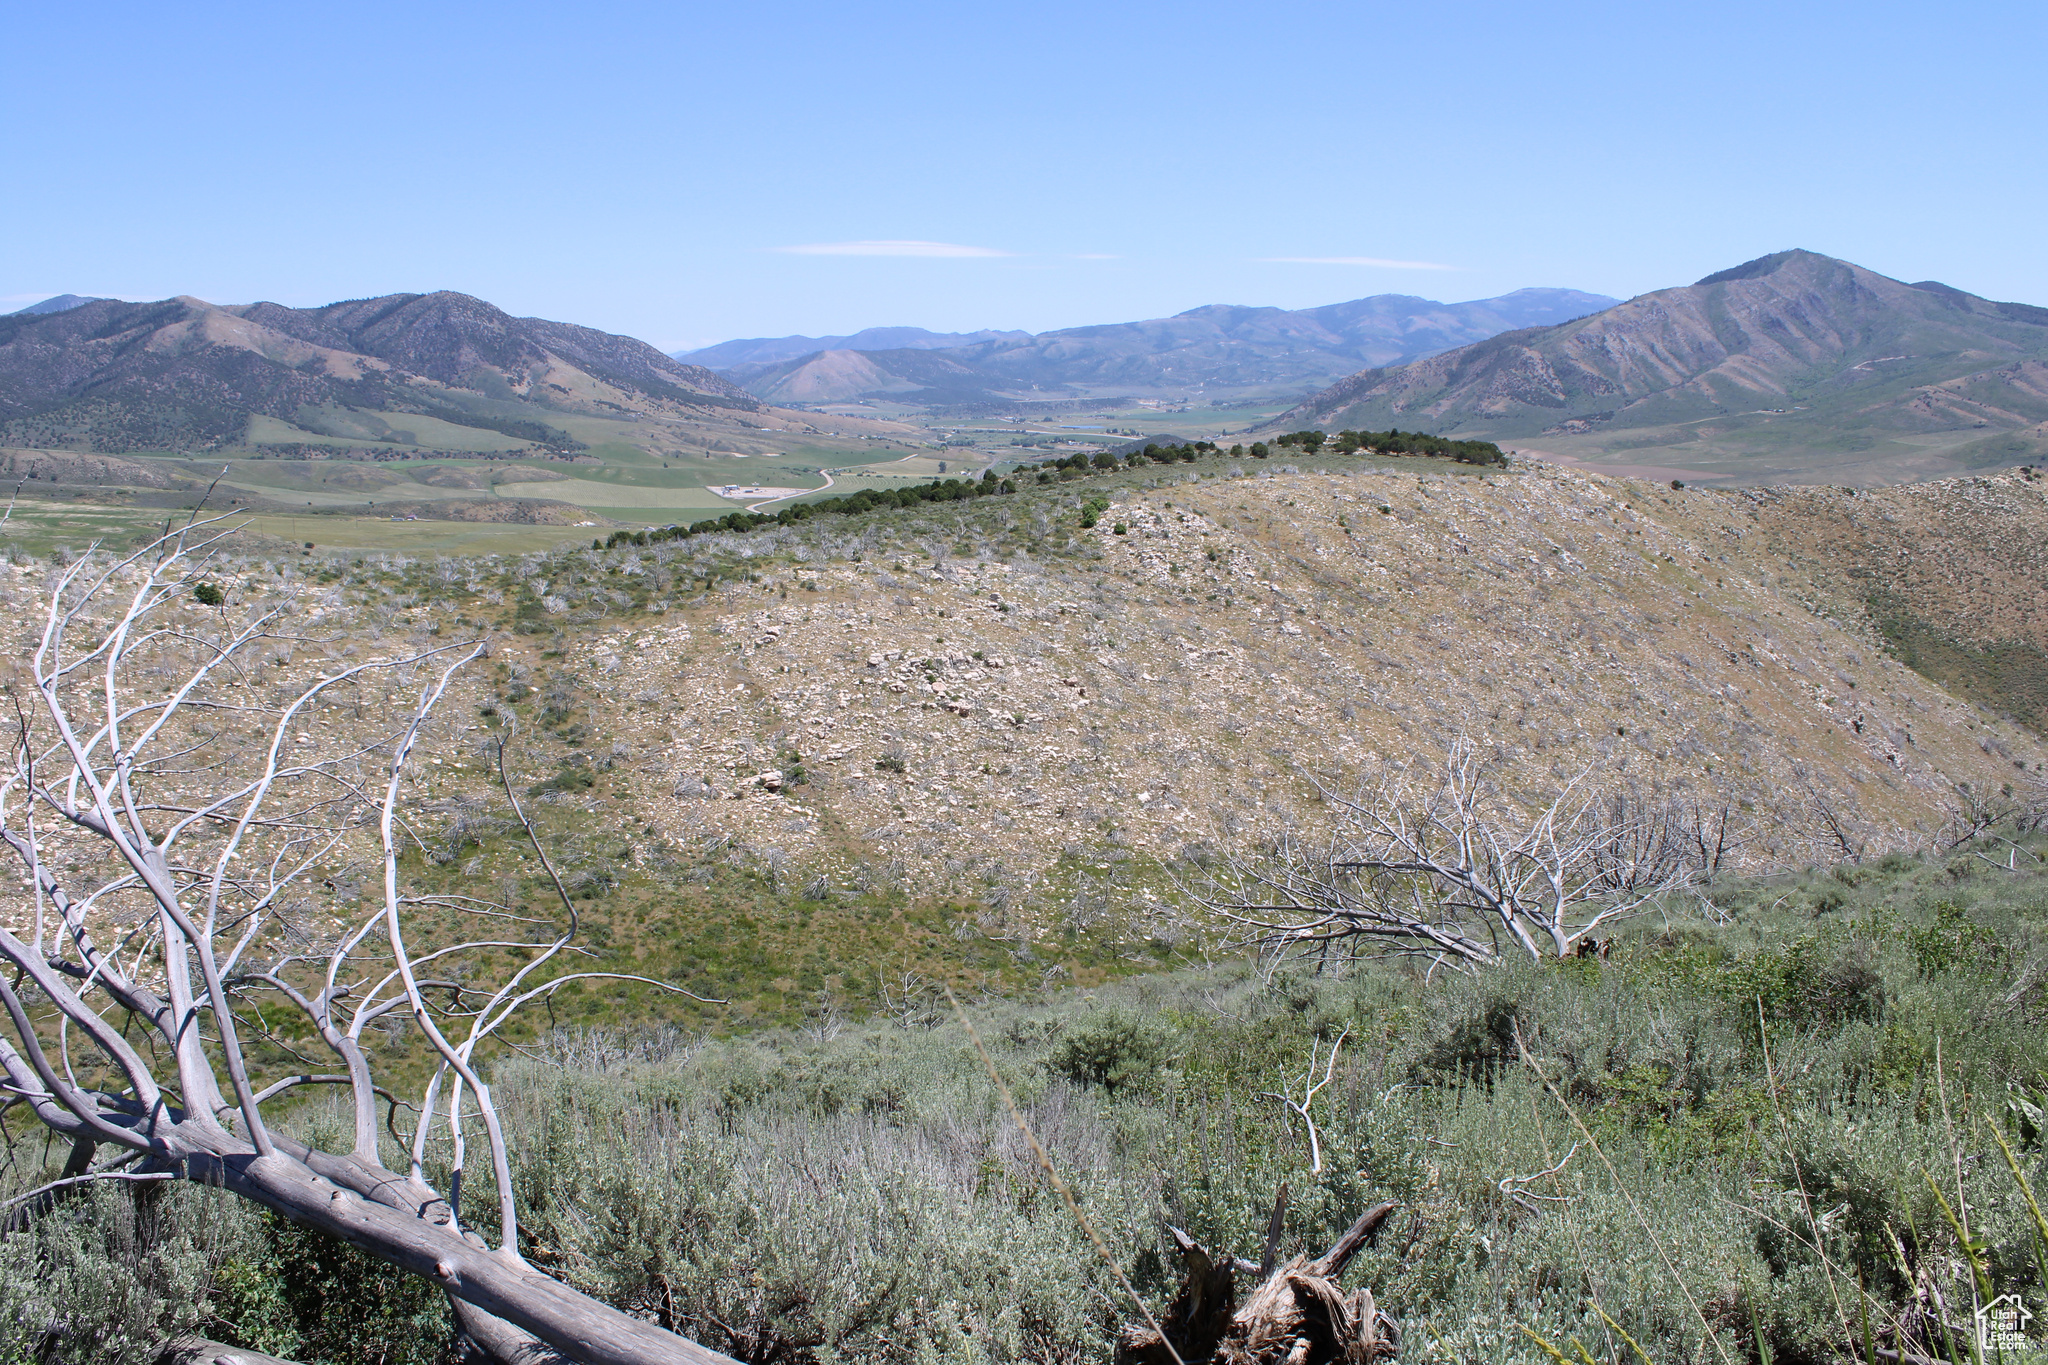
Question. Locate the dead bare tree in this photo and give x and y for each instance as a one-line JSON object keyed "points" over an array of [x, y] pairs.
{"points": [[1457, 872], [1832, 831], [1664, 834], [2034, 801], [179, 948], [1310, 1088], [1712, 836], [1974, 813]]}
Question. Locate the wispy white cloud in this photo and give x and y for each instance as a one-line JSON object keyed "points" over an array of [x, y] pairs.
{"points": [[952, 250], [1373, 261]]}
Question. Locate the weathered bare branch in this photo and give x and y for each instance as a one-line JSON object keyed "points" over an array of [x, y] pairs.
{"points": [[1459, 873], [1310, 1086], [89, 1178], [176, 884]]}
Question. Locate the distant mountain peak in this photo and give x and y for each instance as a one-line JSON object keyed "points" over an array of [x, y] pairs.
{"points": [[772, 350], [61, 303]]}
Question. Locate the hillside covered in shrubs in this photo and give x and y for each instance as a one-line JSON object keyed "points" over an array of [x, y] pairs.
{"points": [[1799, 1118], [820, 771]]}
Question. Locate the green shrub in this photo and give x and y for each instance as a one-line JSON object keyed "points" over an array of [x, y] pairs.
{"points": [[312, 1298], [1811, 982], [1950, 942], [575, 778], [1116, 1051], [860, 1194], [867, 1208], [1477, 1047], [106, 1275]]}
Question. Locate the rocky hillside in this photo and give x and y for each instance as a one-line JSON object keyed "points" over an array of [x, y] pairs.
{"points": [[1792, 362], [1033, 726], [183, 374], [1947, 573], [979, 733]]}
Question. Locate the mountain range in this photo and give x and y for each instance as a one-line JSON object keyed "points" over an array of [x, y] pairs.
{"points": [[756, 350], [425, 371], [1789, 365], [1794, 366], [1221, 350]]}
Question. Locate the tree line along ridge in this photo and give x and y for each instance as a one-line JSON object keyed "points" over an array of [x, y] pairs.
{"points": [[1067, 468]]}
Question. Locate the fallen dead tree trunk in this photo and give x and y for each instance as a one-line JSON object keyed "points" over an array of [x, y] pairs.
{"points": [[1298, 1315]]}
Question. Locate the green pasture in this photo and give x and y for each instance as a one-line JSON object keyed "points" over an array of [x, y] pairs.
{"points": [[644, 487], [38, 528], [630, 482], [596, 493], [350, 428]]}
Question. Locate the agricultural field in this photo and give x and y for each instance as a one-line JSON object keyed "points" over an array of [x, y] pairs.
{"points": [[429, 501], [361, 484]]}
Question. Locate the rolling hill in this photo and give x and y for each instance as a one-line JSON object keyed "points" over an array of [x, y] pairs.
{"points": [[1794, 365], [440, 370], [1029, 734], [1223, 350], [922, 377]]}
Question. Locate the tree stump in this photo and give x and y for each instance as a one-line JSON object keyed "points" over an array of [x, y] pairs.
{"points": [[1297, 1316]]}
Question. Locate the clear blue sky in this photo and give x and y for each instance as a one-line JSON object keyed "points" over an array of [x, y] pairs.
{"points": [[644, 167]]}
